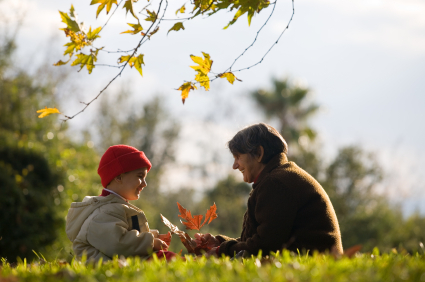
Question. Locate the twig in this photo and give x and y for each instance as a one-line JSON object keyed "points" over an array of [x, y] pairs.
{"points": [[122, 69]]}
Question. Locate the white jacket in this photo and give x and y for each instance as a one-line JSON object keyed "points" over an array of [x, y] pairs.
{"points": [[102, 227]]}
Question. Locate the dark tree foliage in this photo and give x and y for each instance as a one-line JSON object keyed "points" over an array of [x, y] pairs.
{"points": [[28, 220]]}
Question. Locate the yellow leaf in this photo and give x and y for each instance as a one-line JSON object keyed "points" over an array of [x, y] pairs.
{"points": [[61, 63], [203, 80], [70, 24], [128, 6], [230, 77], [136, 62], [86, 60], [92, 35], [152, 16], [47, 111], [136, 28], [204, 65], [123, 59], [181, 10], [103, 3], [78, 41], [177, 27], [185, 88]]}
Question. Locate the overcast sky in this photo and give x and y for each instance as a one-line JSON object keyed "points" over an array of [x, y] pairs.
{"points": [[364, 61]]}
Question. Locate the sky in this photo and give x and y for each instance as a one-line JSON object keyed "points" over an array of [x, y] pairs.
{"points": [[364, 61]]}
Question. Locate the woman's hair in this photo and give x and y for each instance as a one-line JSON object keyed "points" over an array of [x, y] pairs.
{"points": [[249, 140]]}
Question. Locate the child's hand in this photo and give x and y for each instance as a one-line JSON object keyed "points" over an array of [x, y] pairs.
{"points": [[166, 238], [158, 245], [154, 232]]}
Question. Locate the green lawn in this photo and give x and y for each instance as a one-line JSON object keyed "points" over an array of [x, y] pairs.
{"points": [[282, 267]]}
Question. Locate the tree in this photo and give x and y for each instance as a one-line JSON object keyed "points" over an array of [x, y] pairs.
{"points": [[42, 170], [82, 40]]}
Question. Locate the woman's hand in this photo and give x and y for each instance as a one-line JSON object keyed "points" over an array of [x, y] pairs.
{"points": [[166, 238], [158, 245], [212, 253], [206, 240]]}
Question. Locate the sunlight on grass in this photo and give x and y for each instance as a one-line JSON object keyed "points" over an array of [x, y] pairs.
{"points": [[279, 267]]}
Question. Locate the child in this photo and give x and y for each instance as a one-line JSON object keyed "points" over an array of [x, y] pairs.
{"points": [[108, 225]]}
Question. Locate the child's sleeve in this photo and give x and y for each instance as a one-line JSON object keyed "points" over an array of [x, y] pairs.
{"points": [[108, 232]]}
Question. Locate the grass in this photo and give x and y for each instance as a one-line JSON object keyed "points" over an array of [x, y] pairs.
{"points": [[280, 267]]}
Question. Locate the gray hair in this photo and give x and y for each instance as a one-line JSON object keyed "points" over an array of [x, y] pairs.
{"points": [[249, 140]]}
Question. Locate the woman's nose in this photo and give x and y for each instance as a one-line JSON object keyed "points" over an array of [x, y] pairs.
{"points": [[235, 165]]}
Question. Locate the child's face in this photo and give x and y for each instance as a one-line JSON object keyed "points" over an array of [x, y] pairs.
{"points": [[132, 183]]}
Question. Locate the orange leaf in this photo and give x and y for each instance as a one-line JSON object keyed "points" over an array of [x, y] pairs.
{"points": [[211, 214], [194, 222], [191, 222]]}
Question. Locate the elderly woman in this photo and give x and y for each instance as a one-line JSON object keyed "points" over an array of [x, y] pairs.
{"points": [[287, 207]]}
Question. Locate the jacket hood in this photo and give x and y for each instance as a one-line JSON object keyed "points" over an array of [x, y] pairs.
{"points": [[80, 211]]}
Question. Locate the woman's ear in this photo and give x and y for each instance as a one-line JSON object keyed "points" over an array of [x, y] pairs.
{"points": [[261, 154]]}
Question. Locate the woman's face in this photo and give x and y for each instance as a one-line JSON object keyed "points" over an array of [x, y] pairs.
{"points": [[132, 183], [249, 166]]}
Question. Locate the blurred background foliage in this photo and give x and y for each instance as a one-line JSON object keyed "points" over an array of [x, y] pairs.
{"points": [[43, 169]]}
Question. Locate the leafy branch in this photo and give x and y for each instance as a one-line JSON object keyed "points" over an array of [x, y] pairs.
{"points": [[80, 39]]}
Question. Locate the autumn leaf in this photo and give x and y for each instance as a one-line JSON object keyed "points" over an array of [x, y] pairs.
{"points": [[230, 77], [70, 23], [151, 33], [152, 16], [181, 10], [177, 27], [211, 214], [136, 28], [194, 222], [203, 80], [128, 6], [92, 35], [204, 65], [185, 88], [61, 63], [203, 68], [47, 111], [136, 62], [86, 60], [103, 3]]}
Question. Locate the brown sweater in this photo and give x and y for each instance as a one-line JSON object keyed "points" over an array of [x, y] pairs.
{"points": [[287, 208]]}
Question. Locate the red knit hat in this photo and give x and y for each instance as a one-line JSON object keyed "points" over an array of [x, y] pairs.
{"points": [[119, 159]]}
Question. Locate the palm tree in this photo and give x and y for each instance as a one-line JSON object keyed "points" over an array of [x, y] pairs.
{"points": [[288, 102]]}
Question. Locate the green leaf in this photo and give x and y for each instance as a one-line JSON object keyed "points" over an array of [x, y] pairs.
{"points": [[128, 6], [177, 27], [70, 24]]}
